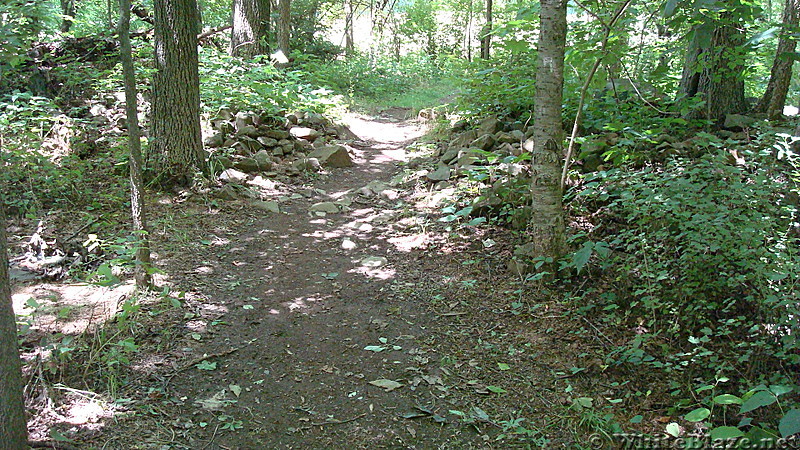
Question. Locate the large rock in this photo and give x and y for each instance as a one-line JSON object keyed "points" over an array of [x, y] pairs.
{"points": [[332, 156], [485, 142], [490, 125], [277, 134], [233, 176], [450, 155], [306, 133], [248, 165], [345, 133], [442, 173], [733, 121], [263, 159], [215, 140], [464, 139], [267, 141]]}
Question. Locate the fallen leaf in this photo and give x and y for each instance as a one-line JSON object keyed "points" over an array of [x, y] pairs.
{"points": [[388, 385]]}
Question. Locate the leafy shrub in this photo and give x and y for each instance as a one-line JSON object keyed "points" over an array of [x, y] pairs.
{"points": [[704, 263]]}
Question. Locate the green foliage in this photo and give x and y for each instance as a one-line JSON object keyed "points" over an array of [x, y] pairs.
{"points": [[231, 83], [20, 22], [506, 88], [701, 257]]}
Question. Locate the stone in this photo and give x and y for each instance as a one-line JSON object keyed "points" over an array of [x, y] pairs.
{"points": [[504, 150], [315, 119], [332, 156], [243, 119], [264, 183], [306, 133], [442, 173], [450, 155], [267, 206], [247, 145], [247, 165], [346, 133], [233, 176], [528, 145], [223, 161], [277, 134], [485, 142], [739, 121], [518, 135], [263, 159], [464, 139], [373, 262], [459, 125], [490, 125], [506, 138], [306, 165], [248, 130], [215, 140], [267, 141], [226, 192], [326, 207]]}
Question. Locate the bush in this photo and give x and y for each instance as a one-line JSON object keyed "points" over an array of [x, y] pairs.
{"points": [[704, 262]]}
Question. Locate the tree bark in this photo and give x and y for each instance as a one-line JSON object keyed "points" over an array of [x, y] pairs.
{"points": [[486, 38], [349, 45], [13, 426], [547, 227], [284, 25], [175, 140], [68, 10], [141, 273], [722, 80], [715, 71], [251, 23], [774, 98]]}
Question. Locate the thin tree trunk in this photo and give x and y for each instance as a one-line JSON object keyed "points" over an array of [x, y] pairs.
{"points": [[486, 38], [176, 146], [774, 98], [251, 22], [68, 10], [13, 427], [142, 273], [349, 45], [284, 26], [547, 226]]}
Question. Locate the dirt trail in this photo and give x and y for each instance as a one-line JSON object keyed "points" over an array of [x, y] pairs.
{"points": [[286, 308]]}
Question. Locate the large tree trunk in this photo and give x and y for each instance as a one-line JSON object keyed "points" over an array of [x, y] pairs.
{"points": [[722, 80], [175, 141], [251, 20], [486, 37], [284, 25], [715, 71], [547, 226], [13, 427], [774, 98], [142, 272]]}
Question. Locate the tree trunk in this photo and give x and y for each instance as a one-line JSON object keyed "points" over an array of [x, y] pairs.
{"points": [[547, 227], [251, 20], [68, 10], [142, 273], [774, 98], [13, 427], [486, 37], [175, 140], [722, 80], [284, 26], [349, 45], [691, 75]]}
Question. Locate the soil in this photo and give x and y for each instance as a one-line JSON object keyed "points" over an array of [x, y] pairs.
{"points": [[374, 327]]}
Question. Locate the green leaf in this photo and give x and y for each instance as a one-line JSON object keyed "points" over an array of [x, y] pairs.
{"points": [[790, 423], [725, 433], [759, 399], [205, 365], [388, 385], [374, 348], [673, 429], [581, 257], [636, 419], [236, 389], [503, 366], [496, 390], [670, 7], [727, 399], [698, 414], [779, 389]]}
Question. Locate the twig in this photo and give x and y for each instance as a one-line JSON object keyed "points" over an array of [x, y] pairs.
{"points": [[598, 331], [337, 422], [73, 235], [213, 31], [210, 441]]}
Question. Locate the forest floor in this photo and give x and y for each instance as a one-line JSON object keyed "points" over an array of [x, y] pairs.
{"points": [[376, 326]]}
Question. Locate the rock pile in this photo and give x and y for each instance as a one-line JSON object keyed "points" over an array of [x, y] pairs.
{"points": [[252, 143], [471, 148]]}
